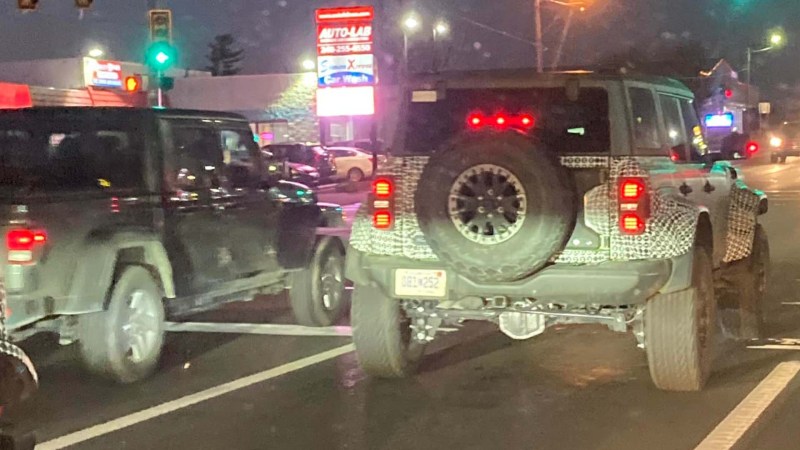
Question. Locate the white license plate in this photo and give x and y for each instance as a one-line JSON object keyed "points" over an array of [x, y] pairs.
{"points": [[420, 283]]}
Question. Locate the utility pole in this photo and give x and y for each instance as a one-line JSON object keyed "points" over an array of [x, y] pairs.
{"points": [[564, 34], [539, 47]]}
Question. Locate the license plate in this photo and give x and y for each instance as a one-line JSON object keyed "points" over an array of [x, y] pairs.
{"points": [[420, 283]]}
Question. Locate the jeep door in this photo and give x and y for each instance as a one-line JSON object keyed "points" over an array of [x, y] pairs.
{"points": [[704, 184], [251, 216], [197, 235]]}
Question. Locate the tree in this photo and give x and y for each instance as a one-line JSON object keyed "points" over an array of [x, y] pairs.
{"points": [[224, 57]]}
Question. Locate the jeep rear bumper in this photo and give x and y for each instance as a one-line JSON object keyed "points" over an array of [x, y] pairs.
{"points": [[608, 284]]}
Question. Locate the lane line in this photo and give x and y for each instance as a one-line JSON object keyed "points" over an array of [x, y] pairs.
{"points": [[752, 410], [270, 329], [189, 400], [794, 347]]}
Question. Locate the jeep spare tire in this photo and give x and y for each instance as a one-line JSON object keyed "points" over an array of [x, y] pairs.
{"points": [[495, 206]]}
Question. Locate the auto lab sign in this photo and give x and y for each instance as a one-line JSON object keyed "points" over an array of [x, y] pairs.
{"points": [[345, 46], [346, 70]]}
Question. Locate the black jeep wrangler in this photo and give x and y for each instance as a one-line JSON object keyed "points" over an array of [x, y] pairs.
{"points": [[116, 219], [531, 200]]}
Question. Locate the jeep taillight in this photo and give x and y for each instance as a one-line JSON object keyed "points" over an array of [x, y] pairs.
{"points": [[634, 205], [382, 203], [21, 243]]}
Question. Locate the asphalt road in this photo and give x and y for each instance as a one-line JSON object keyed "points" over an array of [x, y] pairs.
{"points": [[571, 388]]}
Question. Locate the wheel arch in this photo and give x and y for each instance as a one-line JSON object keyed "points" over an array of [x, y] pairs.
{"points": [[102, 258]]}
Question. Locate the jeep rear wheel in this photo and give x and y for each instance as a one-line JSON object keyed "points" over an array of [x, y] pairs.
{"points": [[124, 342], [495, 206], [679, 331], [317, 293], [382, 335]]}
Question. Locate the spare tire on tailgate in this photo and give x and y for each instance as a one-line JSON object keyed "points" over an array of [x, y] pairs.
{"points": [[496, 206]]}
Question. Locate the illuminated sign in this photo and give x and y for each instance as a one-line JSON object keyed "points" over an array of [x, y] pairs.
{"points": [[345, 31], [363, 13], [719, 120], [102, 73], [353, 34], [346, 70], [346, 101]]}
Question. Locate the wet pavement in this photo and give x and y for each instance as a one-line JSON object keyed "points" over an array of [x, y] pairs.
{"points": [[571, 388]]}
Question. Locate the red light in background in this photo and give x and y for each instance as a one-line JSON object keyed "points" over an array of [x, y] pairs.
{"points": [[501, 120], [24, 240], [752, 147], [728, 93]]}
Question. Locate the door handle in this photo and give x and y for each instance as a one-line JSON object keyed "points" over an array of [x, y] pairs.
{"points": [[709, 188], [685, 189]]}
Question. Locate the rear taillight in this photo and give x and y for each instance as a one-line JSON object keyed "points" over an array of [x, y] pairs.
{"points": [[634, 205], [382, 203], [21, 242]]}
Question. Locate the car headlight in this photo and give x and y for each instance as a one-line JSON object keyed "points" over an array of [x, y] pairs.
{"points": [[775, 141]]}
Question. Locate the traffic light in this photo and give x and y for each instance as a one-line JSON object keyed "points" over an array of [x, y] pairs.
{"points": [[83, 3], [133, 84], [160, 25], [161, 56], [27, 4]]}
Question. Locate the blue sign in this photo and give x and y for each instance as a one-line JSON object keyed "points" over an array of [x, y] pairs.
{"points": [[346, 70], [719, 120]]}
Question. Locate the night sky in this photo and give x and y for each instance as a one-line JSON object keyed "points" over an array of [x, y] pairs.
{"points": [[276, 34]]}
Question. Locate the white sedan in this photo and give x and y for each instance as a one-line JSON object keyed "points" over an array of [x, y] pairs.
{"points": [[351, 163]]}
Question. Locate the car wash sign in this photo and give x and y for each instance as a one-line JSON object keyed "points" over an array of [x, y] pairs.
{"points": [[345, 46]]}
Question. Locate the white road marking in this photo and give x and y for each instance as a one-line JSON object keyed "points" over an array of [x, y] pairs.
{"points": [[270, 329], [791, 303], [795, 347], [189, 400], [752, 409]]}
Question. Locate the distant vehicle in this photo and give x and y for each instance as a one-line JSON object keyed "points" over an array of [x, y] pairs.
{"points": [[311, 155], [298, 172], [363, 144], [530, 201], [117, 219], [351, 163], [785, 142]]}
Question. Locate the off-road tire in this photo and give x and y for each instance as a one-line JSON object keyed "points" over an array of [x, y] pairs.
{"points": [[382, 335], [548, 222], [745, 284], [680, 330], [308, 288], [101, 336]]}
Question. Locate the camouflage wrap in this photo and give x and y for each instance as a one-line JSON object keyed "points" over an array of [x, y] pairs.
{"points": [[741, 222], [670, 230]]}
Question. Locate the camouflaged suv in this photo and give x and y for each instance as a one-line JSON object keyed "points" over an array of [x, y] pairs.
{"points": [[533, 200]]}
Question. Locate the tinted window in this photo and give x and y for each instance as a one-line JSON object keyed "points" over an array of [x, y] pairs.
{"points": [[195, 155], [673, 125], [645, 120], [565, 126], [238, 145], [68, 154]]}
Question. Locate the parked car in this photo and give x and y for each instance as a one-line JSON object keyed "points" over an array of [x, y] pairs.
{"points": [[531, 201], [351, 163], [311, 155], [291, 171], [364, 144], [117, 219]]}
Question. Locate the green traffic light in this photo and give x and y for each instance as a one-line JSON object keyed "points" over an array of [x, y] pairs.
{"points": [[161, 56]]}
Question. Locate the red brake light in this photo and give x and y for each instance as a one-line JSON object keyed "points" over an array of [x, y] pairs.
{"points": [[382, 220], [526, 120], [24, 240], [474, 120], [631, 189], [382, 188], [501, 120], [631, 223], [752, 147]]}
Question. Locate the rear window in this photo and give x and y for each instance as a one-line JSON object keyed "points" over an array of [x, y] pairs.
{"points": [[64, 155], [565, 126]]}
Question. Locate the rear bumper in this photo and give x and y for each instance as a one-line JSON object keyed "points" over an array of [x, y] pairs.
{"points": [[609, 284]]}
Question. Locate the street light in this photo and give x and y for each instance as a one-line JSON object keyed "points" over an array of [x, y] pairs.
{"points": [[96, 52], [440, 29], [410, 24], [308, 65], [776, 40]]}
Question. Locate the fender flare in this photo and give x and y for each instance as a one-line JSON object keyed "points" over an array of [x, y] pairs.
{"points": [[95, 271]]}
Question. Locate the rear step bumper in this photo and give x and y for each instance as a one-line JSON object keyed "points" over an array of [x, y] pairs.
{"points": [[610, 284]]}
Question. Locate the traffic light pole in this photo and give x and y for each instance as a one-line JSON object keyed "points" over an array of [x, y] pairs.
{"points": [[160, 91]]}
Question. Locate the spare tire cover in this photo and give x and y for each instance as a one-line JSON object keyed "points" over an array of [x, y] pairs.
{"points": [[496, 206]]}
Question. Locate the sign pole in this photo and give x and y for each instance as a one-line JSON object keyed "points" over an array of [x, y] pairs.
{"points": [[160, 91]]}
